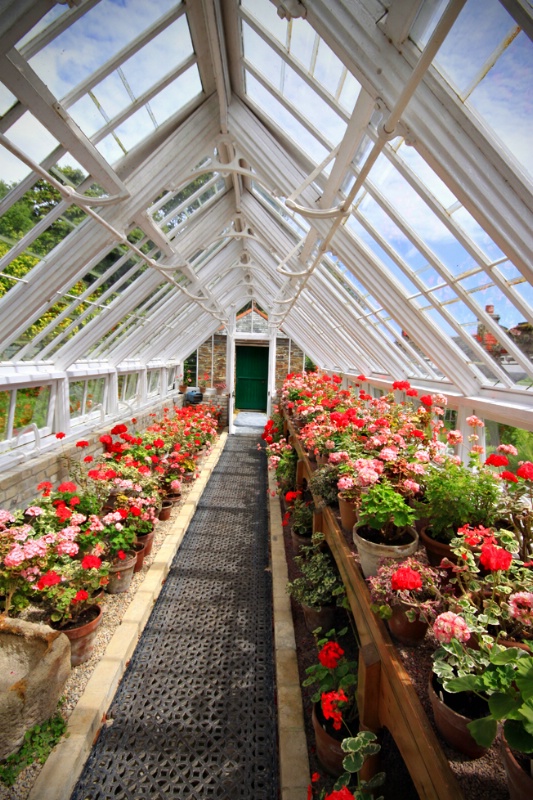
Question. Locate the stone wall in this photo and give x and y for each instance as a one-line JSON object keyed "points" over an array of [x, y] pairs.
{"points": [[18, 486], [212, 359]]}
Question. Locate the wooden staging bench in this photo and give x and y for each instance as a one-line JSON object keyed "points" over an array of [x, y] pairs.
{"points": [[386, 696]]}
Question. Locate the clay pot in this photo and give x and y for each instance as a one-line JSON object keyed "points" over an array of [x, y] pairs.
{"points": [[139, 550], [328, 748], [435, 550], [147, 540], [166, 508], [519, 783], [452, 726], [405, 631], [82, 635], [299, 541], [121, 573], [371, 553], [319, 618], [348, 512]]}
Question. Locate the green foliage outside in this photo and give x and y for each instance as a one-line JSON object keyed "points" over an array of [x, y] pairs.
{"points": [[31, 406], [37, 746]]}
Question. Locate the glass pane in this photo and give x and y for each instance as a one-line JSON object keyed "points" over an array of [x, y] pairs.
{"points": [[75, 392], [176, 95], [31, 406], [497, 434], [7, 99], [94, 38], [153, 381], [95, 393], [130, 388]]}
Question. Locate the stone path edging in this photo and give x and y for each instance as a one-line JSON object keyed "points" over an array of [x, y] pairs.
{"points": [[293, 757], [58, 777]]}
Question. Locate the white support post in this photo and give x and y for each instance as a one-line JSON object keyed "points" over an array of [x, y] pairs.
{"points": [[143, 386], [271, 384], [112, 393], [230, 371], [63, 406]]}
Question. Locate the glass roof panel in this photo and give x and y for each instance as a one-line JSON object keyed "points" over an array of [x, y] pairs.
{"points": [[33, 139], [303, 40], [489, 63], [266, 14], [7, 99], [286, 121], [93, 39], [176, 95], [429, 178], [134, 129], [328, 68]]}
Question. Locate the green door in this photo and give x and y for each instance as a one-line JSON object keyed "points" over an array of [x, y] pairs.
{"points": [[252, 378]]}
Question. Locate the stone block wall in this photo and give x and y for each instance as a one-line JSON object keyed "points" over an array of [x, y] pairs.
{"points": [[18, 486], [212, 360]]}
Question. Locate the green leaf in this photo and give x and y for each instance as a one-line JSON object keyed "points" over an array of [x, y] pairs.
{"points": [[517, 737], [501, 705], [344, 780], [483, 730], [353, 762], [467, 683]]}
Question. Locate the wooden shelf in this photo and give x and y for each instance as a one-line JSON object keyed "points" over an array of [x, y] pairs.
{"points": [[386, 695]]}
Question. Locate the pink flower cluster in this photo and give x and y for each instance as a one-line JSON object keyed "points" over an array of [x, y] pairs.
{"points": [[450, 626]]}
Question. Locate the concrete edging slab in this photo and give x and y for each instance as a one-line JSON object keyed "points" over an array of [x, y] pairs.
{"points": [[293, 757], [60, 773]]}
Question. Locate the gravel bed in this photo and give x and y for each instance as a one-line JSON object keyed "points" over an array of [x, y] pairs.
{"points": [[479, 779], [114, 607]]}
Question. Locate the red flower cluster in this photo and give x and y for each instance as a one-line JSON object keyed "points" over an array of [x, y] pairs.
{"points": [[495, 460], [401, 386], [49, 578], [330, 709], [495, 558], [405, 578], [330, 654], [525, 471], [90, 562], [290, 497], [80, 596], [426, 399]]}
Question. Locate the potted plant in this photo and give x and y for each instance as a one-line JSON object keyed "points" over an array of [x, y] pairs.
{"points": [[384, 528], [354, 479], [319, 588], [335, 713], [515, 504], [408, 595], [118, 536], [221, 387], [323, 484], [68, 593], [456, 495], [358, 749]]}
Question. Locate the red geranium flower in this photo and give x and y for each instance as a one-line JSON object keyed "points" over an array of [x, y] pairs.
{"points": [[121, 554], [330, 701], [136, 512], [330, 654], [401, 386], [158, 443], [80, 596], [495, 460], [405, 578], [88, 459], [525, 471], [426, 399], [60, 435], [411, 393], [67, 486], [82, 443], [508, 476], [49, 578], [495, 558], [90, 562]]}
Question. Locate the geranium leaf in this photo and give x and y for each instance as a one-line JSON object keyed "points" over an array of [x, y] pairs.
{"points": [[501, 705], [483, 730], [353, 762], [517, 737]]}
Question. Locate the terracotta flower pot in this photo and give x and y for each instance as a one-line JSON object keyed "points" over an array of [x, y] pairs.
{"points": [[147, 540], [452, 726], [139, 548], [519, 783], [121, 573], [82, 634], [328, 745], [405, 631], [348, 512], [435, 550], [319, 618], [166, 508]]}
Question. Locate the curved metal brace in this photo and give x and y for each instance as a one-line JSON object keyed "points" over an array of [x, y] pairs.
{"points": [[317, 213], [231, 168]]}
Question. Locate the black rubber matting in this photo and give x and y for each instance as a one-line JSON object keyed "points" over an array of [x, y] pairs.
{"points": [[194, 715]]}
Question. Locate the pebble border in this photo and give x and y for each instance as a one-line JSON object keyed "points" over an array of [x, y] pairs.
{"points": [[58, 777]]}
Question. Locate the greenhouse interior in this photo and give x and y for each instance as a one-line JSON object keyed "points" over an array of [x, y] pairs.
{"points": [[266, 279]]}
